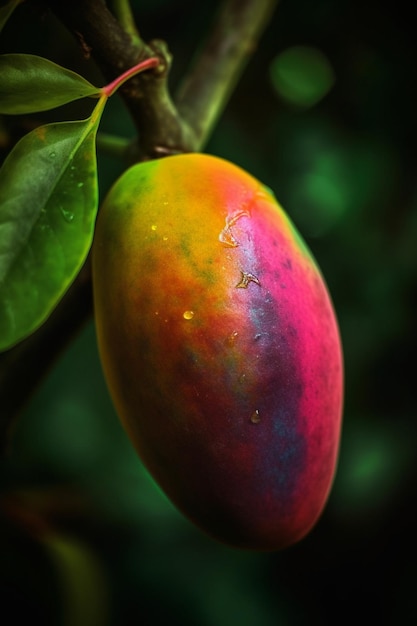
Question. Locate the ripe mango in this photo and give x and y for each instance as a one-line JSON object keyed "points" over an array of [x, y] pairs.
{"points": [[220, 347]]}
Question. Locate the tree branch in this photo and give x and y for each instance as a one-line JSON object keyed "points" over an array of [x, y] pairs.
{"points": [[217, 68], [115, 50]]}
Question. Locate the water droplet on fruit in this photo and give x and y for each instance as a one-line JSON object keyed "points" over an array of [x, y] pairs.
{"points": [[242, 379], [227, 239], [245, 279], [188, 315], [231, 340], [226, 236], [255, 417], [67, 215], [154, 227], [234, 217]]}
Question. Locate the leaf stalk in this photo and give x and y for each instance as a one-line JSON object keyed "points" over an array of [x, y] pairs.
{"points": [[113, 86]]}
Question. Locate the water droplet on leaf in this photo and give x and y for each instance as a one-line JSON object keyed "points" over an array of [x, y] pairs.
{"points": [[67, 215]]}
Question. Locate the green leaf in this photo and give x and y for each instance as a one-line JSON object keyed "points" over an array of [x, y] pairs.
{"points": [[30, 84], [6, 11], [48, 205]]}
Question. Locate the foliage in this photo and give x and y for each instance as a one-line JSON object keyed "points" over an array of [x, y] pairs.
{"points": [[48, 192], [48, 203]]}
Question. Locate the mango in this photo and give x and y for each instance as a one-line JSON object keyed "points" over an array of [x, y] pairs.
{"points": [[220, 347]]}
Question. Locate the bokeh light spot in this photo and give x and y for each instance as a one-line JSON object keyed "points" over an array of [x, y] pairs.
{"points": [[374, 460], [301, 75]]}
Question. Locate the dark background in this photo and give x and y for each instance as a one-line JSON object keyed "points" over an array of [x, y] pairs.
{"points": [[86, 538]]}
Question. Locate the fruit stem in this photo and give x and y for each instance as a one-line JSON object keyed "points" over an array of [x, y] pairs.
{"points": [[112, 87]]}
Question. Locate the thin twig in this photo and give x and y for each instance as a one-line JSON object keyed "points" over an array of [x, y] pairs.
{"points": [[123, 11], [113, 145], [217, 67]]}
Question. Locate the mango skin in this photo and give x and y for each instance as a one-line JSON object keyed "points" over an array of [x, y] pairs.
{"points": [[220, 347]]}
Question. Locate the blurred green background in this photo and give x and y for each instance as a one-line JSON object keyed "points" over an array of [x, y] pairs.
{"points": [[325, 116]]}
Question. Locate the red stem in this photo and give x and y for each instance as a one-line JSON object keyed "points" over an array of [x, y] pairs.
{"points": [[147, 64]]}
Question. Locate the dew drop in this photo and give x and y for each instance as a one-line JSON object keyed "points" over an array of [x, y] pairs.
{"points": [[154, 227], [80, 184], [67, 215], [232, 219], [226, 236], [245, 279], [188, 315], [231, 340], [52, 155], [255, 418]]}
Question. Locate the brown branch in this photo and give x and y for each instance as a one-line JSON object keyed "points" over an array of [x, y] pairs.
{"points": [[114, 50]]}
